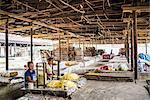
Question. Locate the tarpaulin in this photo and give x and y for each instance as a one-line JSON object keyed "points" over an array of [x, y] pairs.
{"points": [[144, 56]]}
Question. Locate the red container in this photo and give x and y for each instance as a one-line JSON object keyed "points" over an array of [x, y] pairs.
{"points": [[106, 56]]}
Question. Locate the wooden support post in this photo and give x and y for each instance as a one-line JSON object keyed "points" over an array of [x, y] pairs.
{"points": [[135, 44], [58, 69], [6, 44], [83, 55], [96, 43], [146, 46], [132, 49], [79, 42], [127, 47], [59, 49], [0, 49], [92, 42], [68, 49], [44, 71], [37, 85], [14, 49], [31, 44]]}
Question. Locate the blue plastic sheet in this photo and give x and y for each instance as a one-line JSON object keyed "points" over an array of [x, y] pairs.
{"points": [[144, 56]]}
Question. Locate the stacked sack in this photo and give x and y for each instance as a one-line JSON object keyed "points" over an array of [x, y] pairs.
{"points": [[70, 63], [70, 76], [64, 84], [9, 74]]}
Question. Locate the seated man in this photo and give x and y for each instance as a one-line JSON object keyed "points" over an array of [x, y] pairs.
{"points": [[30, 76]]}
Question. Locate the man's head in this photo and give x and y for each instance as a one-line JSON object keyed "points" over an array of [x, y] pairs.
{"points": [[30, 65], [50, 60]]}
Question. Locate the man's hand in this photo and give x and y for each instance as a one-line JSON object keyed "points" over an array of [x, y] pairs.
{"points": [[30, 80]]}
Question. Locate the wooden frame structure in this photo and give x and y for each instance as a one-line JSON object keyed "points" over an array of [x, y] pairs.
{"points": [[106, 21], [103, 19]]}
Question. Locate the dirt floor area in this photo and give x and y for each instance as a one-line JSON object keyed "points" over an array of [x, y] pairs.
{"points": [[100, 90]]}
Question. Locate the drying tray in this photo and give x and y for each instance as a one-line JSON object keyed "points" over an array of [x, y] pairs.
{"points": [[110, 76], [11, 80], [50, 91]]}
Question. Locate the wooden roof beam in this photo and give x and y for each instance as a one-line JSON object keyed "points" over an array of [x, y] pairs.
{"points": [[54, 9], [56, 37], [20, 28], [40, 35], [18, 2], [75, 9], [139, 30], [65, 25], [74, 22], [136, 8], [34, 22]]}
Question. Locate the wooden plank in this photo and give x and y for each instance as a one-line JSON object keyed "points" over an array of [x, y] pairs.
{"points": [[111, 76], [140, 30], [136, 8], [25, 5], [21, 28], [40, 35], [65, 25], [55, 92], [74, 22]]}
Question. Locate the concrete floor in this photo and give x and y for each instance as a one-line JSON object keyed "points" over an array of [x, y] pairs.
{"points": [[11, 91], [100, 90]]}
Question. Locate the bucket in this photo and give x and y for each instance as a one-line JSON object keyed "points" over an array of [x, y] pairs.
{"points": [[30, 85]]}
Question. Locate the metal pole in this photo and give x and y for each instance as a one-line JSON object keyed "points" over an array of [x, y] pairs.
{"points": [[31, 46], [6, 44], [135, 44]]}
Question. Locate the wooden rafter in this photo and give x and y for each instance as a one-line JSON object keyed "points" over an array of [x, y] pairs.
{"points": [[31, 21], [21, 28], [137, 9]]}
